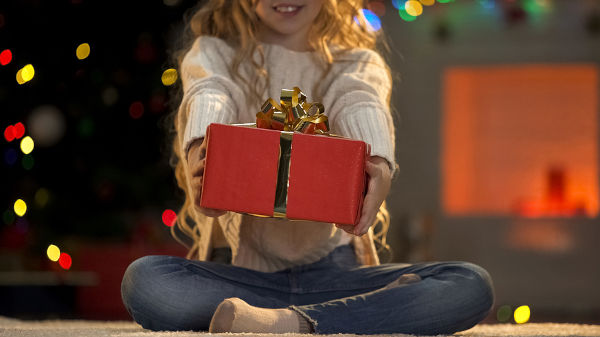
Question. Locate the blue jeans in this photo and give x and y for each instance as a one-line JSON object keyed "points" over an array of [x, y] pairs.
{"points": [[335, 294]]}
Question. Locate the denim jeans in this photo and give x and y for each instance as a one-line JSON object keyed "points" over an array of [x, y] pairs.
{"points": [[335, 294]]}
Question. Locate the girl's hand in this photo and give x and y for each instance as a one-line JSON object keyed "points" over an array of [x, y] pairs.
{"points": [[380, 180], [195, 161]]}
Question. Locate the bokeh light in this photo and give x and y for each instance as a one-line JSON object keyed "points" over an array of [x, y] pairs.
{"points": [[445, 1], [27, 145], [20, 79], [110, 96], [427, 2], [5, 57], [19, 130], [83, 51], [373, 22], [27, 73], [522, 314], [377, 7], [8, 217], [504, 313], [53, 253], [413, 8], [169, 217], [9, 133], [20, 207], [65, 260], [27, 162], [10, 156], [169, 77], [405, 16], [47, 125], [398, 4], [41, 197], [136, 110]]}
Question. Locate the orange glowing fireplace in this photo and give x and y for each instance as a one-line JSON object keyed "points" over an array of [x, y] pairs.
{"points": [[521, 140]]}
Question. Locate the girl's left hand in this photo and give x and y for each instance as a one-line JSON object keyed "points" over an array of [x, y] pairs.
{"points": [[380, 180]]}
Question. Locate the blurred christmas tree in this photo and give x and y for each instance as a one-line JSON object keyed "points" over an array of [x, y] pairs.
{"points": [[82, 80]]}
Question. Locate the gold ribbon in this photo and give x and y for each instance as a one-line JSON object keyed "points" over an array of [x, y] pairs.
{"points": [[293, 113]]}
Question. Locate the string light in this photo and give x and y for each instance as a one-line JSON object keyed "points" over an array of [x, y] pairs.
{"points": [[5, 57], [405, 16], [413, 8], [522, 314], [41, 197], [27, 145], [169, 217], [20, 207], [53, 253], [9, 133], [19, 130], [10, 156], [27, 162], [373, 22], [65, 260], [136, 110], [83, 51], [8, 216], [27, 72], [503, 313], [169, 77]]}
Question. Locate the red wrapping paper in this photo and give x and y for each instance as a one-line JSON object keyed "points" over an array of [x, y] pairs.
{"points": [[327, 176]]}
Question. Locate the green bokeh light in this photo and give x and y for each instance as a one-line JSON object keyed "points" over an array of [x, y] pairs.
{"points": [[27, 162], [504, 313], [405, 16]]}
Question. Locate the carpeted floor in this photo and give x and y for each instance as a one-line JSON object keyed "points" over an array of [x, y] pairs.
{"points": [[71, 328]]}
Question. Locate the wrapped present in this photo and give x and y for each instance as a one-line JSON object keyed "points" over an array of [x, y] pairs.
{"points": [[287, 167]]}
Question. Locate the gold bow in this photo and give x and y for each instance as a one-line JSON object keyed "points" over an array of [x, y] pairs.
{"points": [[294, 114]]}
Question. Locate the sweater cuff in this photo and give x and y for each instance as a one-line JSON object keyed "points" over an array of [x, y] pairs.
{"points": [[370, 126], [204, 110]]}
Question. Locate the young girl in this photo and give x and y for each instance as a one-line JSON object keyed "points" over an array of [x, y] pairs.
{"points": [[250, 274]]}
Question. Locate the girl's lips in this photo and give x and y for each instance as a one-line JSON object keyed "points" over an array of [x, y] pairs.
{"points": [[287, 10]]}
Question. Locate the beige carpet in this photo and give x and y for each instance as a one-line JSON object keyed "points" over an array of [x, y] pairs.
{"points": [[69, 328]]}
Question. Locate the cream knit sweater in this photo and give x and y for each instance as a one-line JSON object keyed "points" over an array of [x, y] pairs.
{"points": [[355, 102]]}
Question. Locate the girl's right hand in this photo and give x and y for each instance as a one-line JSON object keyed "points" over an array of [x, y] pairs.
{"points": [[195, 161]]}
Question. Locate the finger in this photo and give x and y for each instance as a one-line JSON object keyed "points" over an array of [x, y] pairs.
{"points": [[370, 207]]}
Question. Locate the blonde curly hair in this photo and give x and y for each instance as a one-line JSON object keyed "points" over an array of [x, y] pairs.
{"points": [[236, 22]]}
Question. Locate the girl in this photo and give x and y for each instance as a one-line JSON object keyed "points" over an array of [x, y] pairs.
{"points": [[249, 274]]}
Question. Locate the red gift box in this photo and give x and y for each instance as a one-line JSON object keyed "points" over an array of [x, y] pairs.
{"points": [[242, 173]]}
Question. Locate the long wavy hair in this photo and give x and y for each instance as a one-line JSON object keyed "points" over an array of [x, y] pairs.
{"points": [[236, 22]]}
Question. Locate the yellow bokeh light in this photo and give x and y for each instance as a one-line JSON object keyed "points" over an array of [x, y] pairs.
{"points": [[83, 51], [27, 145], [522, 314], [27, 73], [169, 77], [41, 197], [53, 253], [413, 8], [20, 77], [427, 2], [20, 207]]}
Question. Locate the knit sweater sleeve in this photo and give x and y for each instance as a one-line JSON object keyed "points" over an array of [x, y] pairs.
{"points": [[208, 89], [358, 103]]}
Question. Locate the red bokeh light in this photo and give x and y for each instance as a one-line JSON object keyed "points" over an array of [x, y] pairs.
{"points": [[169, 217], [136, 110], [9, 133], [65, 260], [19, 130], [5, 57]]}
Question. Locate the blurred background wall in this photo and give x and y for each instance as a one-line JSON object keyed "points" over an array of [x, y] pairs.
{"points": [[496, 107]]}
